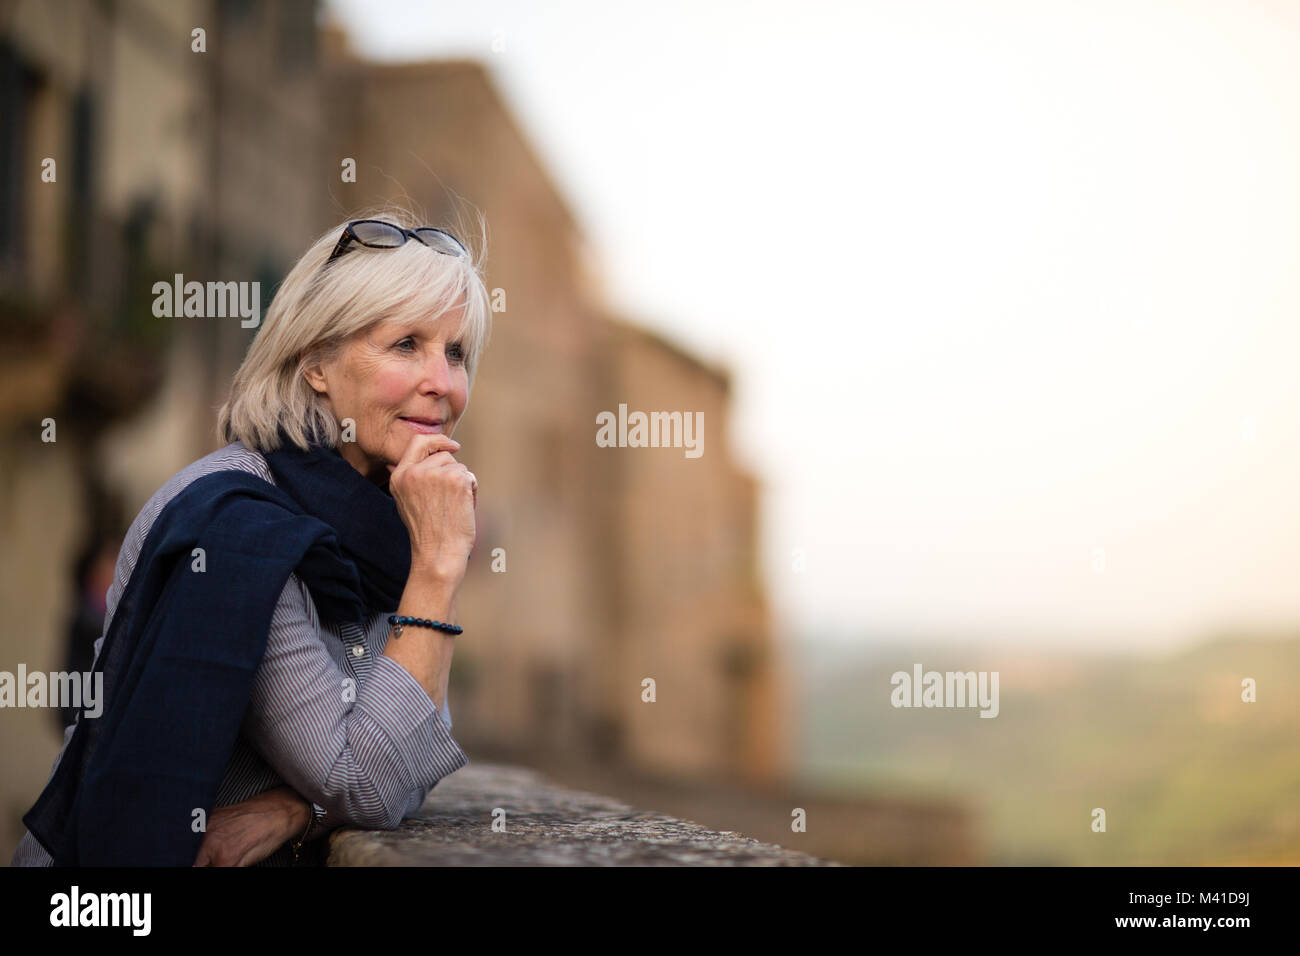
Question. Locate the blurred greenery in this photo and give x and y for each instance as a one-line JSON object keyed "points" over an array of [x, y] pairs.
{"points": [[1186, 771]]}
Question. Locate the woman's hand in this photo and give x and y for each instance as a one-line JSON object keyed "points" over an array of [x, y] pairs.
{"points": [[246, 833], [436, 496]]}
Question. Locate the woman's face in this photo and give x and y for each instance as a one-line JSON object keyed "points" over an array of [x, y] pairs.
{"points": [[400, 378]]}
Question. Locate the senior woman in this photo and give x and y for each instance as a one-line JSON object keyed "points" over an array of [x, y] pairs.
{"points": [[282, 620]]}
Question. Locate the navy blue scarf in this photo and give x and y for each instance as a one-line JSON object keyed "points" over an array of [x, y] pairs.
{"points": [[184, 645]]}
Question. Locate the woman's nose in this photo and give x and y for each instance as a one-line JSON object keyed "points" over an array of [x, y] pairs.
{"points": [[435, 374]]}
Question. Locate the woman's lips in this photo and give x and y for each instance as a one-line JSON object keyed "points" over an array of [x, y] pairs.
{"points": [[426, 426]]}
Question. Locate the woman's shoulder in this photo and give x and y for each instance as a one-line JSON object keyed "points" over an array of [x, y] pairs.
{"points": [[233, 457]]}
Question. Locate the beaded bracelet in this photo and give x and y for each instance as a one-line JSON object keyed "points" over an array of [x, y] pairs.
{"points": [[399, 621]]}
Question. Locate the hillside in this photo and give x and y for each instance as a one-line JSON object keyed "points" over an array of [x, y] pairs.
{"points": [[1186, 771]]}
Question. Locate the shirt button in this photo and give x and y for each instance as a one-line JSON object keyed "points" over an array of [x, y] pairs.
{"points": [[358, 651]]}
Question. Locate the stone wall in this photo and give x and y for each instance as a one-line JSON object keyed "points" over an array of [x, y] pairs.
{"points": [[502, 815]]}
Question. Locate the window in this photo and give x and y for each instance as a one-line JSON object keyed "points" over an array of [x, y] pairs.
{"points": [[19, 86]]}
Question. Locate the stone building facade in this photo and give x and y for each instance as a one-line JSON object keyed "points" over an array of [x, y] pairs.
{"points": [[621, 564]]}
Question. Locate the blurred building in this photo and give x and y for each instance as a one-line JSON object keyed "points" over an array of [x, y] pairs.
{"points": [[692, 610], [621, 564], [127, 154]]}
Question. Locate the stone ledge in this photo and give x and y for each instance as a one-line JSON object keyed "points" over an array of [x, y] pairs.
{"points": [[546, 825]]}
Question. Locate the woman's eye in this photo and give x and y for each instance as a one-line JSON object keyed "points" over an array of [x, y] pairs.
{"points": [[407, 344], [456, 351]]}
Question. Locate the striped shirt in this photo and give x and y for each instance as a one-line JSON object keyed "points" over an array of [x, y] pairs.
{"points": [[330, 715]]}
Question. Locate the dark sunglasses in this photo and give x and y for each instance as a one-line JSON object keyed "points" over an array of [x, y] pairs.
{"points": [[377, 234]]}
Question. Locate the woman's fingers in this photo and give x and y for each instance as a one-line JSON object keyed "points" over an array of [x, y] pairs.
{"points": [[208, 855], [422, 446]]}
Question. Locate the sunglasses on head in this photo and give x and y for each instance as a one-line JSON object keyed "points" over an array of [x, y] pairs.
{"points": [[377, 234]]}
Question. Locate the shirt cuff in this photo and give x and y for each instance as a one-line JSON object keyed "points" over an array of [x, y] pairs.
{"points": [[401, 715], [317, 827]]}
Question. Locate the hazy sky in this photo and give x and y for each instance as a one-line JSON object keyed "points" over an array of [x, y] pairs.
{"points": [[1001, 284]]}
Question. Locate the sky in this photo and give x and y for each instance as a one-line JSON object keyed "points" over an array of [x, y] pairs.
{"points": [[1008, 289]]}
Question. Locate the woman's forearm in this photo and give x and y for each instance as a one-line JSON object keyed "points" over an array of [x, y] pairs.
{"points": [[363, 750], [424, 652]]}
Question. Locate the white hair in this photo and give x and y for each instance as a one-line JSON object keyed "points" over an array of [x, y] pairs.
{"points": [[316, 309]]}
